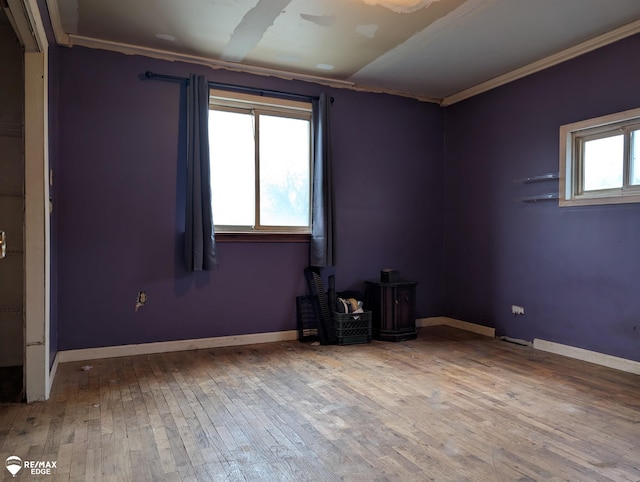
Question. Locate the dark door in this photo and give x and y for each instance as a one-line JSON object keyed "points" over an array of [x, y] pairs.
{"points": [[11, 207]]}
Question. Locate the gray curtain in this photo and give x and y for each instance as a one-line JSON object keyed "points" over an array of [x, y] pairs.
{"points": [[199, 242], [321, 249]]}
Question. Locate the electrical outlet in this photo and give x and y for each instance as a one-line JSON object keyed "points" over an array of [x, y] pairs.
{"points": [[517, 310], [141, 300]]}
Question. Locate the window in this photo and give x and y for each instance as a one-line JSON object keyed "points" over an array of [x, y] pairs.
{"points": [[600, 160], [260, 151]]}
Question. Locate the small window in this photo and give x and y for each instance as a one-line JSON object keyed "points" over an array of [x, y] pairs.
{"points": [[600, 160], [260, 151]]}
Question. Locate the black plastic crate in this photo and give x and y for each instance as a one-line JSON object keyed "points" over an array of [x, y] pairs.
{"points": [[353, 328]]}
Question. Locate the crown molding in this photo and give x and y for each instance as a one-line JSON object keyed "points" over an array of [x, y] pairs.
{"points": [[397, 93], [128, 49], [56, 23], [555, 59]]}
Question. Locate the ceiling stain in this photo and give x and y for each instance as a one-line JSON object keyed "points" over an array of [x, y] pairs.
{"points": [[322, 20], [346, 45], [402, 6], [368, 31], [251, 28], [165, 36]]}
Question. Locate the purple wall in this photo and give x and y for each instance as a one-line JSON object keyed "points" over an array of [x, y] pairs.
{"points": [[574, 270], [120, 208]]}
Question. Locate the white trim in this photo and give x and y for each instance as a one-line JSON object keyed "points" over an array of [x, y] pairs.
{"points": [[52, 373], [177, 345], [70, 40], [19, 19], [257, 338], [36, 271], [569, 165], [37, 241], [610, 361], [399, 93], [37, 26], [555, 59], [56, 22], [602, 121], [25, 19], [463, 325], [130, 49]]}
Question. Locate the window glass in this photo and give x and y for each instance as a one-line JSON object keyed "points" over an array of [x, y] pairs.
{"points": [[260, 151], [600, 160], [284, 171], [603, 163], [635, 157], [232, 154]]}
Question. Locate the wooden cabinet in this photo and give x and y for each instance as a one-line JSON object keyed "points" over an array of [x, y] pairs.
{"points": [[393, 306]]}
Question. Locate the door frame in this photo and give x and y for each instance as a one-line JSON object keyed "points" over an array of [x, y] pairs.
{"points": [[30, 30]]}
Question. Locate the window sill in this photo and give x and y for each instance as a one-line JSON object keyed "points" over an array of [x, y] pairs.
{"points": [[595, 200], [262, 237]]}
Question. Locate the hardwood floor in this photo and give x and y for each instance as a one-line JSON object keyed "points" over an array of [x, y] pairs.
{"points": [[450, 405]]}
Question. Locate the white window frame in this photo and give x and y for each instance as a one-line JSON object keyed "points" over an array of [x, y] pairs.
{"points": [[571, 140], [247, 103]]}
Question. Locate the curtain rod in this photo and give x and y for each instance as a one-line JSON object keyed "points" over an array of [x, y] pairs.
{"points": [[235, 88]]}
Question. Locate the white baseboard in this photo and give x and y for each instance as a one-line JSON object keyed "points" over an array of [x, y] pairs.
{"points": [[52, 373], [610, 361], [177, 345], [463, 325]]}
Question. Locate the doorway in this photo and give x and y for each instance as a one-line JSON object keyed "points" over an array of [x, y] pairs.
{"points": [[12, 204]]}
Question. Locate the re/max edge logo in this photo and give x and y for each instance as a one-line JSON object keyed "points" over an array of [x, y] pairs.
{"points": [[15, 464]]}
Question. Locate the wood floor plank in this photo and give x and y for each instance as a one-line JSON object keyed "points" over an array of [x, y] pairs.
{"points": [[63, 461], [449, 405]]}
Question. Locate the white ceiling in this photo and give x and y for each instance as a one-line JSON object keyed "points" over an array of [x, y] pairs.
{"points": [[442, 50]]}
